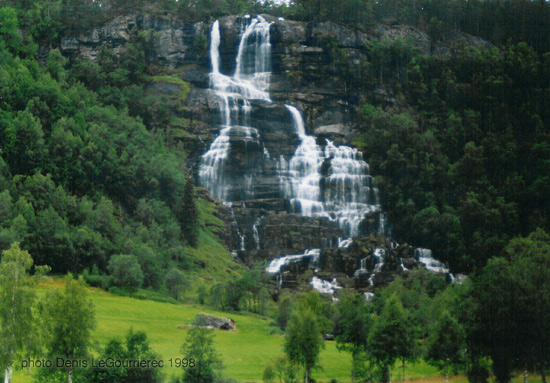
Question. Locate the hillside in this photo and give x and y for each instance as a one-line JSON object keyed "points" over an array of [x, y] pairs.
{"points": [[235, 155]]}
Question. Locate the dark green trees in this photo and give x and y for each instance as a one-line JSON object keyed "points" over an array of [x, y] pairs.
{"points": [[391, 338], [176, 283], [134, 347], [189, 214], [512, 305], [447, 347], [126, 271], [352, 327]]}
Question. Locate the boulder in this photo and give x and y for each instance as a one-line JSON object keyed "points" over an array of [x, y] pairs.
{"points": [[210, 321]]}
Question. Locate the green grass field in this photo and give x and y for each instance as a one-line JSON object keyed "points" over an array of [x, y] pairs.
{"points": [[244, 352]]}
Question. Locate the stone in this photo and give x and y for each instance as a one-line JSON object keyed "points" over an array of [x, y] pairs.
{"points": [[210, 321]]}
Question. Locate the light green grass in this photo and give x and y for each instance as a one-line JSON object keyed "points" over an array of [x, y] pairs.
{"points": [[244, 352]]}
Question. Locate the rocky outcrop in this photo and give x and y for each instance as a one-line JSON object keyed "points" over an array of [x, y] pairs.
{"points": [[210, 321], [173, 41]]}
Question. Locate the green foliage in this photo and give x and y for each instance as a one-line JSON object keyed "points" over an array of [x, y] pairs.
{"points": [[282, 369], [135, 347], [508, 294], [126, 271], [447, 348], [69, 320], [391, 338], [18, 327], [286, 305], [199, 345], [323, 310], [303, 341], [352, 327], [189, 214], [176, 283]]}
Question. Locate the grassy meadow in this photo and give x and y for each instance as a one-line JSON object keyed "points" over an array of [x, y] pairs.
{"points": [[244, 352]]}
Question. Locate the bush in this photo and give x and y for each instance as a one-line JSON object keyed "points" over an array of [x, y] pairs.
{"points": [[126, 271]]}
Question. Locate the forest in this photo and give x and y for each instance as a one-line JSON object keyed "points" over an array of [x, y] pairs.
{"points": [[93, 184]]}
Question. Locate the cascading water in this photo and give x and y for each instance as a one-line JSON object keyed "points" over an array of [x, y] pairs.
{"points": [[332, 182], [250, 82], [319, 180]]}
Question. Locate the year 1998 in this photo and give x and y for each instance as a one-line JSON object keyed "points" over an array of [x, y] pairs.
{"points": [[182, 362]]}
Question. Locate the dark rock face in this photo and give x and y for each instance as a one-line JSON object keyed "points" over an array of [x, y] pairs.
{"points": [[305, 73]]}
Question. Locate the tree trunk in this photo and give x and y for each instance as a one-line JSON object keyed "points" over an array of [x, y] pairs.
{"points": [[9, 370], [353, 357], [525, 376], [307, 375], [70, 376], [447, 372], [385, 375], [543, 377]]}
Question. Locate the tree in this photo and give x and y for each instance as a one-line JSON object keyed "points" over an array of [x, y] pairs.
{"points": [[322, 309], [303, 341], [135, 347], [391, 337], [189, 219], [286, 305], [512, 304], [446, 348], [70, 319], [17, 296], [199, 346], [175, 282], [126, 271], [352, 327], [282, 368]]}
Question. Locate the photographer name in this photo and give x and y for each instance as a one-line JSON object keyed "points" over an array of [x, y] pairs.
{"points": [[94, 363]]}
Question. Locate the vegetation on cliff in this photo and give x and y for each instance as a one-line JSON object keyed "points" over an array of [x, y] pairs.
{"points": [[92, 182]]}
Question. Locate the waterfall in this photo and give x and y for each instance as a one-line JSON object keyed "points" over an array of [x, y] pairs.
{"points": [[345, 194], [249, 82], [276, 264], [321, 179], [425, 257], [256, 233]]}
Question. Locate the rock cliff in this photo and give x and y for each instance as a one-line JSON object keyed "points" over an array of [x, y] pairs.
{"points": [[306, 71]]}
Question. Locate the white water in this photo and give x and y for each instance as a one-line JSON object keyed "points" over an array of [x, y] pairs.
{"points": [[250, 82], [276, 264], [379, 255], [344, 242], [431, 264], [320, 180], [347, 194], [324, 287], [256, 233]]}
